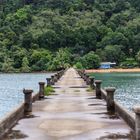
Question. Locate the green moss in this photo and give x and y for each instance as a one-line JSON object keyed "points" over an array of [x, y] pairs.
{"points": [[49, 90], [63, 91], [76, 90], [89, 89]]}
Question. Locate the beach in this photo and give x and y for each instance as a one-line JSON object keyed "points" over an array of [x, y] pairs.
{"points": [[112, 70]]}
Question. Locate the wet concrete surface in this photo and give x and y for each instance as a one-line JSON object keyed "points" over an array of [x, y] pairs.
{"points": [[71, 114]]}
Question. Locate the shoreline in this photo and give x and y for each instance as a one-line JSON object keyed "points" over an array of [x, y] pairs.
{"points": [[112, 70], [34, 72]]}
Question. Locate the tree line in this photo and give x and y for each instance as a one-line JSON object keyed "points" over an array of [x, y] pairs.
{"points": [[42, 35]]}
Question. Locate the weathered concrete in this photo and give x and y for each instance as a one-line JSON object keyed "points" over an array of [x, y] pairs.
{"points": [[27, 101], [11, 119], [110, 99], [72, 114], [48, 81], [41, 89], [120, 110], [98, 88], [126, 115], [137, 126]]}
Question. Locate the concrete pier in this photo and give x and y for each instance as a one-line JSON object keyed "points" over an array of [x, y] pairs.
{"points": [[137, 127], [73, 113]]}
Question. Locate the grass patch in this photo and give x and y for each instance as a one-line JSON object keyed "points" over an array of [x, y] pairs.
{"points": [[63, 91], [89, 89], [49, 90], [77, 90]]}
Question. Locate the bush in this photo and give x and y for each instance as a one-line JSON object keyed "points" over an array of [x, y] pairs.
{"points": [[129, 63], [78, 65], [91, 60], [49, 90]]}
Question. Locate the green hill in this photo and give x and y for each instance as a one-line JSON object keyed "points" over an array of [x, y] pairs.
{"points": [[41, 35]]}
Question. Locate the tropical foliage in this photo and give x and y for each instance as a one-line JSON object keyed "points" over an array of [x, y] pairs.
{"points": [[40, 35]]}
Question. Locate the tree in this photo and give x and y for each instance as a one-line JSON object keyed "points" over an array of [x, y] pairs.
{"points": [[61, 60], [27, 40], [113, 53], [113, 38], [91, 60], [78, 65], [17, 55], [129, 63], [25, 65], [138, 57], [39, 59], [55, 34], [7, 66]]}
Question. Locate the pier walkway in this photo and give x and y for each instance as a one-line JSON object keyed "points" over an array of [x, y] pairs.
{"points": [[72, 113]]}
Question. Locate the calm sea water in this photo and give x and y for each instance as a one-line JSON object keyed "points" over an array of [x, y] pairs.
{"points": [[11, 87], [127, 84]]}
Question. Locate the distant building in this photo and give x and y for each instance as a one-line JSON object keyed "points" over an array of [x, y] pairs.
{"points": [[107, 65]]}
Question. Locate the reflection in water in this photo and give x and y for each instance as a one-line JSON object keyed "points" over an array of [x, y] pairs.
{"points": [[127, 84], [11, 86]]}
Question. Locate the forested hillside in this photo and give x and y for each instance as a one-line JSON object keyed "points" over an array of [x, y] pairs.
{"points": [[38, 35]]}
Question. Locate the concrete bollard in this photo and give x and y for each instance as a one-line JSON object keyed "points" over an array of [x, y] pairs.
{"points": [[98, 88], [27, 101], [85, 77], [137, 122], [52, 80], [57, 75], [41, 89], [55, 78], [92, 82], [110, 99], [83, 71], [61, 73], [79, 72], [82, 75], [87, 80], [48, 81]]}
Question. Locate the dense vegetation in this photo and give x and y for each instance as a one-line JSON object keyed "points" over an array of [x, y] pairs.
{"points": [[40, 35]]}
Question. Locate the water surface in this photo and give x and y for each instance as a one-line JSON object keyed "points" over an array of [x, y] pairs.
{"points": [[127, 84], [11, 87]]}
